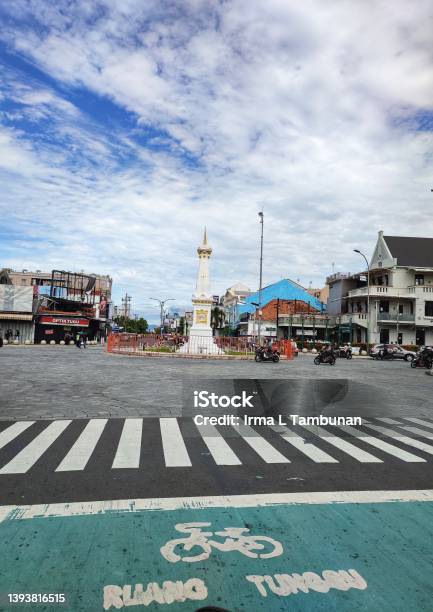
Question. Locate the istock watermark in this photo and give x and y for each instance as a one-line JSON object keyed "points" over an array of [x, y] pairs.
{"points": [[207, 399]]}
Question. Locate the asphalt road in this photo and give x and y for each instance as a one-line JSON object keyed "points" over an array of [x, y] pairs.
{"points": [[162, 462]]}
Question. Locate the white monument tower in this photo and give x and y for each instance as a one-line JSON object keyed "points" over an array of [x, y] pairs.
{"points": [[200, 335]]}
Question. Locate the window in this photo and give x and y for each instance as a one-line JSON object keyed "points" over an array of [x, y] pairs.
{"points": [[428, 309], [379, 280], [420, 337], [384, 336], [384, 307], [400, 309], [419, 279]]}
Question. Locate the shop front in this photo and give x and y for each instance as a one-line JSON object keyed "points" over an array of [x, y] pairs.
{"points": [[57, 328], [17, 327]]}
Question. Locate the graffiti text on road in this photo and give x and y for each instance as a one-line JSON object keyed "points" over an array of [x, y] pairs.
{"points": [[119, 597], [290, 584]]}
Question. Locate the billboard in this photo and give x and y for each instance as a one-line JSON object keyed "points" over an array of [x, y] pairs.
{"points": [[16, 299]]}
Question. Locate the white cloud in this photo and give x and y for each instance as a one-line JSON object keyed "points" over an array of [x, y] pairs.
{"points": [[308, 109]]}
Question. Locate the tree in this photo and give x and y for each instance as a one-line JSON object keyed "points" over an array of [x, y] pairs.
{"points": [[132, 326], [217, 317]]}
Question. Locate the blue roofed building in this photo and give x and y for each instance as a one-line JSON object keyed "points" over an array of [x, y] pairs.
{"points": [[287, 310], [284, 289]]}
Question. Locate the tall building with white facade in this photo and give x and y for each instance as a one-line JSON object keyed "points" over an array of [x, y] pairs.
{"points": [[233, 297], [401, 293]]}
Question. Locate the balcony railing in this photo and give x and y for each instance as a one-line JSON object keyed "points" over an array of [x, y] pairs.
{"points": [[308, 320], [382, 291], [394, 317], [355, 318], [415, 290]]}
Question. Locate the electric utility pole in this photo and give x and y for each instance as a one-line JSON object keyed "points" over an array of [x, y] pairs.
{"points": [[126, 306]]}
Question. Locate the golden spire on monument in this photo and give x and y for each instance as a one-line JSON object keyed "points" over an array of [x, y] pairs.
{"points": [[204, 248]]}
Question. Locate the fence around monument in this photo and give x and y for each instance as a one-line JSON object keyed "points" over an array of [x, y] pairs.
{"points": [[139, 344]]}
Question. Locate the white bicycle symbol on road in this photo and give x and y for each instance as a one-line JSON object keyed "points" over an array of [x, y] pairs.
{"points": [[235, 540]]}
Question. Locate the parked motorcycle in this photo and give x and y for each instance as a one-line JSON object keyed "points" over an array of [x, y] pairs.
{"points": [[344, 352], [265, 354], [423, 359], [325, 357]]}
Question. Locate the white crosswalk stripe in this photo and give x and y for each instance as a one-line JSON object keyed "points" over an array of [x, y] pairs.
{"points": [[13, 431], [417, 431], [173, 445], [395, 435], [218, 447], [307, 448], [80, 453], [357, 453], [383, 446], [262, 447], [129, 448], [420, 422], [22, 462]]}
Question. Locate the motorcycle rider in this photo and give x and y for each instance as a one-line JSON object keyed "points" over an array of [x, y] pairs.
{"points": [[269, 343], [327, 351], [384, 352]]}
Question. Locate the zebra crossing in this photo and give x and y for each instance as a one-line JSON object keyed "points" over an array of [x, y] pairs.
{"points": [[407, 440]]}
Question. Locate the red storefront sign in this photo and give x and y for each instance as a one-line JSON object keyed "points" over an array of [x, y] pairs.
{"points": [[64, 321]]}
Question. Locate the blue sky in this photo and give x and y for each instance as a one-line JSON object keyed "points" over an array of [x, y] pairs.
{"points": [[126, 126]]}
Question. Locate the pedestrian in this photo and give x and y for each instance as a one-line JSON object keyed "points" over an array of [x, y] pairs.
{"points": [[84, 340], [17, 334], [1, 340], [78, 340]]}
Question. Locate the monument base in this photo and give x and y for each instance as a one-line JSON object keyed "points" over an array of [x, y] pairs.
{"points": [[200, 345]]}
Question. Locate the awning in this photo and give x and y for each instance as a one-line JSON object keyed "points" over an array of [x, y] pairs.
{"points": [[14, 316]]}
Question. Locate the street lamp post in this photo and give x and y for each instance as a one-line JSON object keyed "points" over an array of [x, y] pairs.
{"points": [[302, 323], [368, 296], [314, 331], [398, 319], [261, 216], [255, 318], [161, 306]]}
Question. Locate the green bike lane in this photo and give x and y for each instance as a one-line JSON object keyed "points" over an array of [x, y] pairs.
{"points": [[342, 552]]}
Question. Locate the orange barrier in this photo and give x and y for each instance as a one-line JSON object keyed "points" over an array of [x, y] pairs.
{"points": [[138, 343], [122, 342], [285, 347]]}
